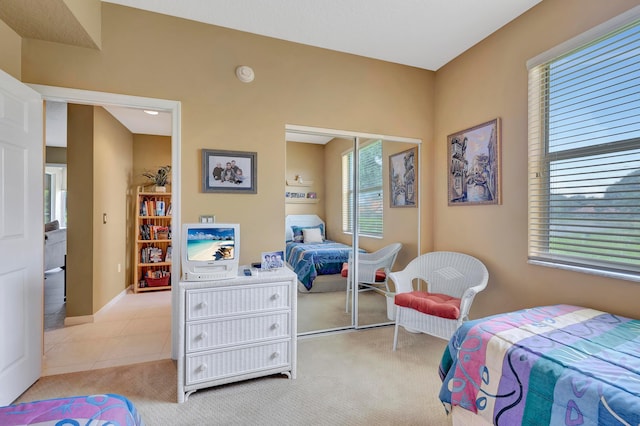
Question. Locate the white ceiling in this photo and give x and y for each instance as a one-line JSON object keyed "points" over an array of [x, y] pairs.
{"points": [[134, 119], [420, 33]]}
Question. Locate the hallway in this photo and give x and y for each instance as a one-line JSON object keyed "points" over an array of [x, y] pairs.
{"points": [[136, 328]]}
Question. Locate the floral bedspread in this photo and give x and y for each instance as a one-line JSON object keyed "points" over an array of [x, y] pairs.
{"points": [[551, 365], [94, 410]]}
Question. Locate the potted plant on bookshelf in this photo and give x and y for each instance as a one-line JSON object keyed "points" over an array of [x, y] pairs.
{"points": [[159, 178]]}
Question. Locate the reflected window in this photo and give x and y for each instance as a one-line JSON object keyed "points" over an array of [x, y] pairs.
{"points": [[370, 192]]}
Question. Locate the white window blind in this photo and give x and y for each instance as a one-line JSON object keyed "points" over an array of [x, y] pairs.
{"points": [[584, 156], [370, 206]]}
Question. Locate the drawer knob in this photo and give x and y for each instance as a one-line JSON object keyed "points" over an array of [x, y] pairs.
{"points": [[202, 335], [203, 304], [202, 368], [275, 355], [275, 326], [275, 296]]}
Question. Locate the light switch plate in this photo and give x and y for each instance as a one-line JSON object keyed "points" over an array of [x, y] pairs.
{"points": [[207, 219]]}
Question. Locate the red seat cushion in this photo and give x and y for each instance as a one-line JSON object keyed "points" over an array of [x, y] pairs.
{"points": [[437, 304], [381, 276]]}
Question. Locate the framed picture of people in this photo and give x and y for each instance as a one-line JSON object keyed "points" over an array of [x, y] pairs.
{"points": [[272, 260], [229, 171]]}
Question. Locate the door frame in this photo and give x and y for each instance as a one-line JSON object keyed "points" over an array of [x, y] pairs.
{"points": [[88, 97]]}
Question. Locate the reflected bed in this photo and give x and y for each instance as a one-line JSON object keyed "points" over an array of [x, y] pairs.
{"points": [[318, 264]]}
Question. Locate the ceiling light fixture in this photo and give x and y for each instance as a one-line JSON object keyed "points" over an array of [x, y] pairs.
{"points": [[151, 112], [245, 74]]}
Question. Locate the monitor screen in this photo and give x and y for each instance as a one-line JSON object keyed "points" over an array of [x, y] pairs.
{"points": [[214, 243]]}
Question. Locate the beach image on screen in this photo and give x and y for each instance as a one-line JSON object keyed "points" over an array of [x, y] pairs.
{"points": [[210, 244]]}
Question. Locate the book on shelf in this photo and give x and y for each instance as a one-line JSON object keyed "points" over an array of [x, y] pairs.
{"points": [[160, 208], [154, 232], [151, 255], [154, 207]]}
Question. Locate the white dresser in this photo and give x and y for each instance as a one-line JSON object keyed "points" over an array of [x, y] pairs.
{"points": [[236, 329]]}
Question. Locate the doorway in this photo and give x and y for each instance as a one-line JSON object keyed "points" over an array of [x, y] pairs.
{"points": [[82, 97]]}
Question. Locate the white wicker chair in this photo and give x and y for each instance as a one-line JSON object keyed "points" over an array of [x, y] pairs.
{"points": [[368, 265], [454, 274]]}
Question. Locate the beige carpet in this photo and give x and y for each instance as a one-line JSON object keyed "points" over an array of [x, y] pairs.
{"points": [[351, 378], [326, 311]]}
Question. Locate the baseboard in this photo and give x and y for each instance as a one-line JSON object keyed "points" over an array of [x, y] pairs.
{"points": [[81, 319], [84, 319]]}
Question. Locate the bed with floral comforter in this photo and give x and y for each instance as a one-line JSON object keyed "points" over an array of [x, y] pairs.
{"points": [[95, 410], [551, 365]]}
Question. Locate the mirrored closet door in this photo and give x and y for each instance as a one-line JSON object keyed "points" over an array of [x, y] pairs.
{"points": [[388, 223], [339, 182]]}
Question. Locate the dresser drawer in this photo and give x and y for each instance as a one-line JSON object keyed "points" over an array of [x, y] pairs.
{"points": [[212, 302], [211, 334], [236, 361]]}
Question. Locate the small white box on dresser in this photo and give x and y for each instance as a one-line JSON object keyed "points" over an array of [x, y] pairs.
{"points": [[236, 329]]}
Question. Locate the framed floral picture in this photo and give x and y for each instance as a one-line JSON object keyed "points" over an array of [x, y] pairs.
{"points": [[229, 171], [474, 165]]}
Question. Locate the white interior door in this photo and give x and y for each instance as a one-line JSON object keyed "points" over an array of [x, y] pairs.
{"points": [[21, 237]]}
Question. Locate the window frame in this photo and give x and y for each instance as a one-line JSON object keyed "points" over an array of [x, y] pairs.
{"points": [[541, 159], [348, 181]]}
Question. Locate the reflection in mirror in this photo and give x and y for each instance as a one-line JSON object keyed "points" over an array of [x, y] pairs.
{"points": [[326, 189], [388, 223], [313, 198]]}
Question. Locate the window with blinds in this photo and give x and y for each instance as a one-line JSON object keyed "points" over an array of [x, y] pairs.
{"points": [[370, 206], [584, 156]]}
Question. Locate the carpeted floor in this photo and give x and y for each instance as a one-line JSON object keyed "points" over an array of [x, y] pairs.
{"points": [[326, 311], [351, 378]]}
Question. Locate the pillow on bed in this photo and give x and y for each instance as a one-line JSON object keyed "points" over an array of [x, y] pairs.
{"points": [[297, 231], [312, 235]]}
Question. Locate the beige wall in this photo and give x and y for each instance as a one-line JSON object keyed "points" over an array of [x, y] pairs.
{"points": [[400, 223], [333, 152], [112, 177], [306, 160], [56, 155], [80, 232], [99, 178], [150, 152], [153, 55], [489, 81], [10, 48]]}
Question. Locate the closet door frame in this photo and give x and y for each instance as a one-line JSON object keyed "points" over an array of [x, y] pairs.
{"points": [[357, 137]]}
